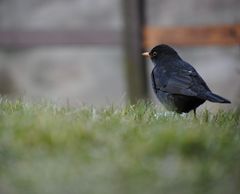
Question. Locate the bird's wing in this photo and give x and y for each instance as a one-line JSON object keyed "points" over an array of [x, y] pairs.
{"points": [[175, 82]]}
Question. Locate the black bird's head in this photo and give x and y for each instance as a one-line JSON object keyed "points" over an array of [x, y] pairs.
{"points": [[161, 52]]}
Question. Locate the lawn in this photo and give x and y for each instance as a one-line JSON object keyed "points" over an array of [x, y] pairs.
{"points": [[140, 149]]}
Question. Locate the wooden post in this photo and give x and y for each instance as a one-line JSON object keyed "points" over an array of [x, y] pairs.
{"points": [[133, 11]]}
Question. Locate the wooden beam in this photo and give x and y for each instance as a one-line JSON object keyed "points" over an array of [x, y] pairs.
{"points": [[223, 35], [184, 36], [21, 39]]}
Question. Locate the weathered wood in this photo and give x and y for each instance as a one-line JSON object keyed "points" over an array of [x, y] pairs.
{"points": [[185, 36], [133, 47], [20, 39], [193, 36]]}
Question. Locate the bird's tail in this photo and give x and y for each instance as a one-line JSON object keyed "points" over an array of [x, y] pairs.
{"points": [[216, 98]]}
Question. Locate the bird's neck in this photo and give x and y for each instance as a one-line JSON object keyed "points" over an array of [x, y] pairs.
{"points": [[166, 59]]}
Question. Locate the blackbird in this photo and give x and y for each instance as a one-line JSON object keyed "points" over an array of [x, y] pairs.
{"points": [[177, 85]]}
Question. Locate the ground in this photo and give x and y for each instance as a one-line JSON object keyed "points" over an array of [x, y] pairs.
{"points": [[138, 149]]}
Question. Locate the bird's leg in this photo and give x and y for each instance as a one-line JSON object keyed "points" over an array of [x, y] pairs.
{"points": [[195, 114]]}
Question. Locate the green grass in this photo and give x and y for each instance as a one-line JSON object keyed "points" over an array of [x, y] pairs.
{"points": [[46, 149]]}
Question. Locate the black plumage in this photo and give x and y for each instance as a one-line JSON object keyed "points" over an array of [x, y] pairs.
{"points": [[177, 85]]}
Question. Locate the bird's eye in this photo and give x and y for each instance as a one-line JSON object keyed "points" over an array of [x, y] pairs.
{"points": [[154, 53]]}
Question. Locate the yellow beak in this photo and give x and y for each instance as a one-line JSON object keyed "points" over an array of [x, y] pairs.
{"points": [[146, 54]]}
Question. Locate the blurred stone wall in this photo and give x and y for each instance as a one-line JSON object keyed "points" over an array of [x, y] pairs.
{"points": [[94, 74], [84, 74]]}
